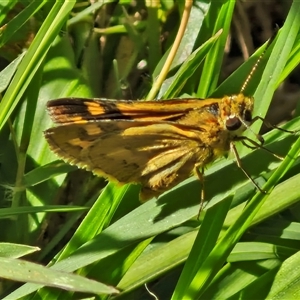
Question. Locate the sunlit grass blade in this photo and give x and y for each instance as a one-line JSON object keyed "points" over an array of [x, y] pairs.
{"points": [[213, 61]]}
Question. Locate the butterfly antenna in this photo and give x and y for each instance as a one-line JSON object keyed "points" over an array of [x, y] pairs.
{"points": [[258, 61]]}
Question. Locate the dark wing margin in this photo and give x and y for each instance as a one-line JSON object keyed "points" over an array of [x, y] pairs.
{"points": [[83, 110]]}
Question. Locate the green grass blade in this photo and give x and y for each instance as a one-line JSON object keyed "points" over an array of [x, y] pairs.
{"points": [[33, 58]]}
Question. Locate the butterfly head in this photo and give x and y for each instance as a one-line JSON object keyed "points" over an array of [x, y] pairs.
{"points": [[237, 113]]}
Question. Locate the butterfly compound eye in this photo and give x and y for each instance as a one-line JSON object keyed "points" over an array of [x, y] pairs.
{"points": [[248, 116], [233, 124]]}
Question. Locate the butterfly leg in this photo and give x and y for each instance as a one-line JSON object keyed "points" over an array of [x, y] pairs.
{"points": [[261, 139], [239, 164], [269, 125], [242, 139], [199, 170]]}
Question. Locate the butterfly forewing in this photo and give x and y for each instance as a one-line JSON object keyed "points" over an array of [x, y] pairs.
{"points": [[70, 110]]}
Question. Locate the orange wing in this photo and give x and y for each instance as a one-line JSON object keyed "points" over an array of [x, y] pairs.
{"points": [[153, 143]]}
